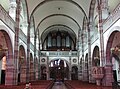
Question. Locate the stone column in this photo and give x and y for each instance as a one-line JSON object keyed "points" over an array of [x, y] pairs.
{"points": [[35, 58], [39, 69], [79, 50], [9, 75], [70, 70], [79, 66], [91, 79], [28, 54], [16, 44], [103, 13], [82, 39], [12, 9], [47, 66]]}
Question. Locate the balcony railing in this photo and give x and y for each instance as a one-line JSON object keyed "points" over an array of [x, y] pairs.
{"points": [[22, 36], [31, 46], [114, 16], [59, 53], [5, 17]]}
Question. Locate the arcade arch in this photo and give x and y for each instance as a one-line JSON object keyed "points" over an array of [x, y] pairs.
{"points": [[22, 65], [96, 57], [59, 69], [31, 67], [6, 56], [113, 54]]}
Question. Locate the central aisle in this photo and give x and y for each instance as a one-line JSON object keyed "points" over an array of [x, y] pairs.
{"points": [[59, 85]]}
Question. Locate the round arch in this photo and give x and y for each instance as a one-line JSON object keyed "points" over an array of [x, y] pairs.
{"points": [[110, 45], [6, 55], [96, 56], [112, 53], [22, 65], [59, 69], [31, 67], [60, 59], [71, 1], [43, 68], [86, 70], [74, 72], [61, 25]]}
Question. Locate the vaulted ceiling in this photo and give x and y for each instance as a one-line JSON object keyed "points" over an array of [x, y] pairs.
{"points": [[49, 13], [69, 13]]}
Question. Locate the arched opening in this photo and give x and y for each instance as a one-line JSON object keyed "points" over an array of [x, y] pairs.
{"points": [[113, 53], [58, 38], [31, 67], [3, 68], [116, 67], [23, 17], [43, 72], [5, 55], [36, 67], [86, 71], [22, 65], [96, 57], [59, 70], [80, 69], [74, 74]]}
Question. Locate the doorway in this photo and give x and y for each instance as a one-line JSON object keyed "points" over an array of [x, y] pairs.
{"points": [[3, 69], [116, 68], [59, 70]]}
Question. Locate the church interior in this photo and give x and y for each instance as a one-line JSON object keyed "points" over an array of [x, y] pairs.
{"points": [[59, 44]]}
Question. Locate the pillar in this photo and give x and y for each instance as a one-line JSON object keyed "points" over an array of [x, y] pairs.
{"points": [[39, 69], [70, 68], [9, 76], [91, 79], [79, 73], [47, 66], [82, 39], [28, 54], [103, 13], [35, 58], [16, 44]]}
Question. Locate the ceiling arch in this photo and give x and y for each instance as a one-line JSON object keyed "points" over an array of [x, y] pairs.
{"points": [[75, 23], [48, 8], [55, 26], [46, 1], [59, 15], [77, 9]]}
